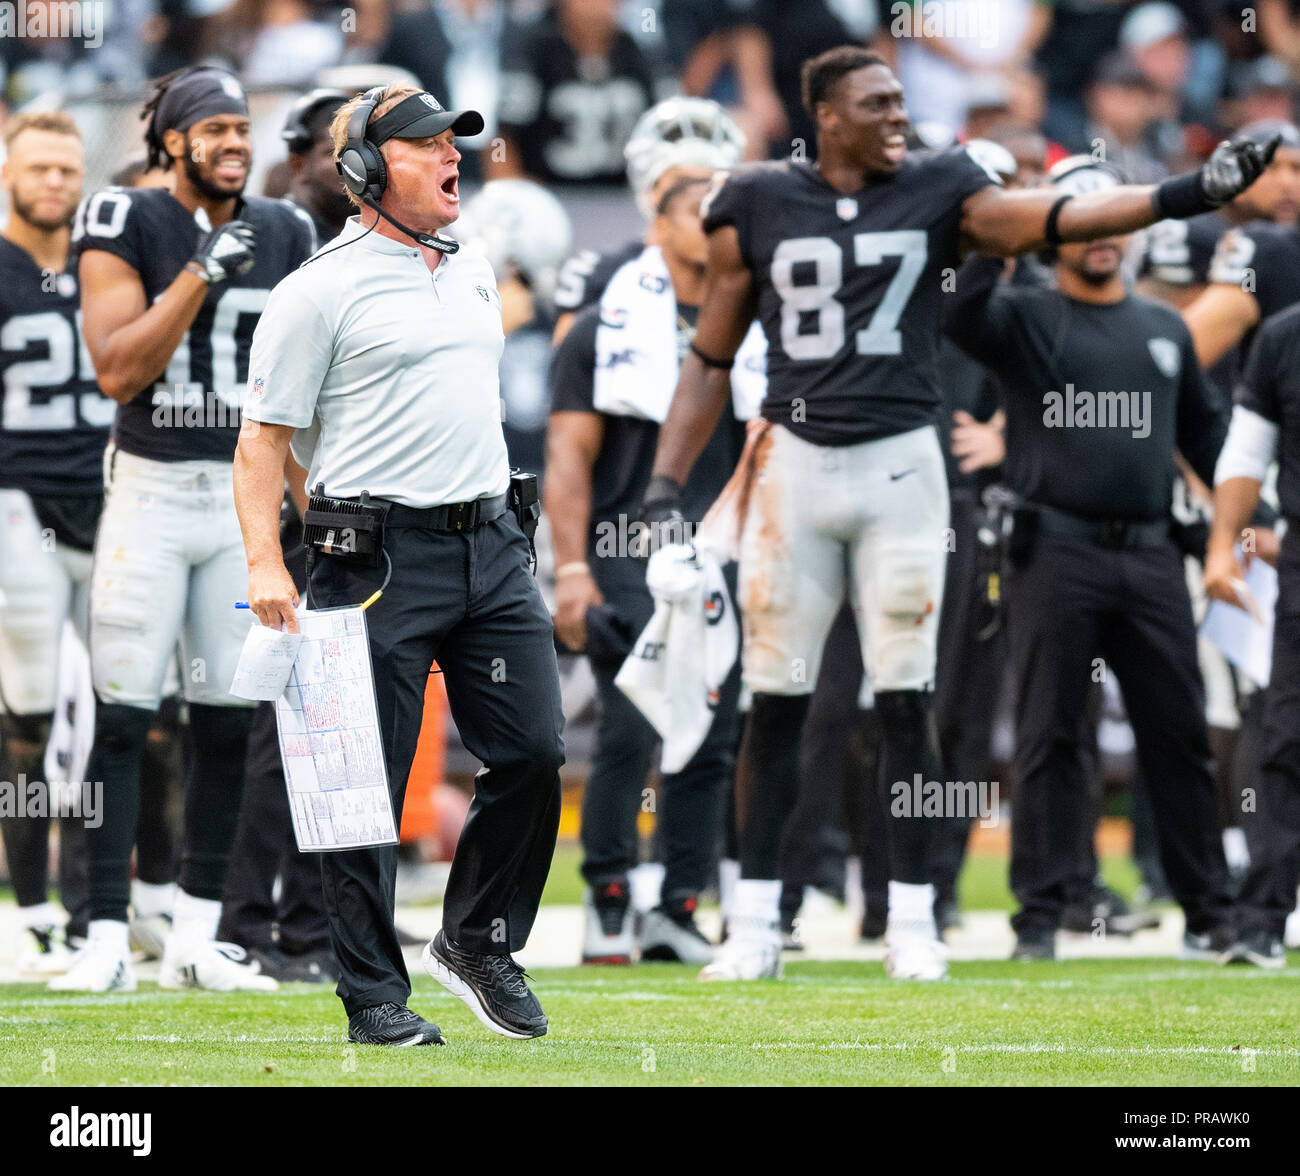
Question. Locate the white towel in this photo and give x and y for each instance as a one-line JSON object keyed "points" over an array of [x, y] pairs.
{"points": [[665, 676], [636, 347]]}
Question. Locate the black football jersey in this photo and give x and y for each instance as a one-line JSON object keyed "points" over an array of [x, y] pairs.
{"points": [[849, 288], [584, 276], [569, 118], [54, 420], [192, 411], [1178, 252], [1264, 259]]}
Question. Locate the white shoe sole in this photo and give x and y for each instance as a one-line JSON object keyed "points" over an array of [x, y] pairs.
{"points": [[458, 988], [173, 980], [54, 985]]}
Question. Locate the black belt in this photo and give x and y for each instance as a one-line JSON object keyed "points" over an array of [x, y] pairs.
{"points": [[1113, 533], [455, 516]]}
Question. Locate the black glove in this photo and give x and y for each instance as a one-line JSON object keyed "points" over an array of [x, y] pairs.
{"points": [[662, 515], [1232, 167], [226, 252]]}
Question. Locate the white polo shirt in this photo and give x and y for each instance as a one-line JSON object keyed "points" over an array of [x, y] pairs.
{"points": [[388, 372]]}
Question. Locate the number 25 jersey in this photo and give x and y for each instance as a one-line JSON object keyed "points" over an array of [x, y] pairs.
{"points": [[191, 411], [849, 288]]}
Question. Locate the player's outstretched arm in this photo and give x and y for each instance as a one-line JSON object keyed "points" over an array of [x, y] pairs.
{"points": [[260, 460], [131, 342], [1005, 223], [705, 379]]}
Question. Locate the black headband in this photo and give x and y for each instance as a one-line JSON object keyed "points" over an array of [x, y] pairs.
{"points": [[193, 97]]}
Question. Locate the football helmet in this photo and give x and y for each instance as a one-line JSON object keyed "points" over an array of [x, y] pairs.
{"points": [[680, 132], [518, 224]]}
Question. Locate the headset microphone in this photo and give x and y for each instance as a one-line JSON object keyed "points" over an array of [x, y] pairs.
{"points": [[438, 243]]}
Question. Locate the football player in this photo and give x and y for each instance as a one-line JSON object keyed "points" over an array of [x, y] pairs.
{"points": [[679, 139], [172, 287], [844, 261], [1255, 269], [53, 429]]}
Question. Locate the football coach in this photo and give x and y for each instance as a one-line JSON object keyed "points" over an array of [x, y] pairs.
{"points": [[376, 365]]}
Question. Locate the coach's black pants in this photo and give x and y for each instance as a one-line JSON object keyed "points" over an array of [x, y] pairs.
{"points": [[1075, 601], [1268, 892], [469, 601], [265, 849], [690, 811]]}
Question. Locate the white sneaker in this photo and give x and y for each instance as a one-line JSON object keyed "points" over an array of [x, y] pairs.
{"points": [[608, 936], [98, 967], [149, 935], [751, 951], [1291, 936], [914, 951], [663, 938], [218, 967], [42, 952]]}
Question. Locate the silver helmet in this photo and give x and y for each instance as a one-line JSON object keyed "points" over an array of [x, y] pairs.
{"points": [[680, 132], [518, 224]]}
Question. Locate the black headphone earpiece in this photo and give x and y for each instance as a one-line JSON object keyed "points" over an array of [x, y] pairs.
{"points": [[360, 163]]}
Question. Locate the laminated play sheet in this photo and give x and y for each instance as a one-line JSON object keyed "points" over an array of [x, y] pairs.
{"points": [[329, 738]]}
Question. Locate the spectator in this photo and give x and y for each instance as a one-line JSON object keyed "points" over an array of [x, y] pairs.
{"points": [[572, 87], [974, 36], [1121, 109], [279, 42], [1082, 32]]}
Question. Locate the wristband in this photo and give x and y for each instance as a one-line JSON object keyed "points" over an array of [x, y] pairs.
{"points": [[1179, 197], [198, 271], [571, 568], [1051, 234], [723, 365]]}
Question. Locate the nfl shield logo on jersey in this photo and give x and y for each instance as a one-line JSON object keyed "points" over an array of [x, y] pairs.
{"points": [[1165, 353], [846, 208]]}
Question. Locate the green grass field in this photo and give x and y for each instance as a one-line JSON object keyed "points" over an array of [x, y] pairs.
{"points": [[1111, 1022]]}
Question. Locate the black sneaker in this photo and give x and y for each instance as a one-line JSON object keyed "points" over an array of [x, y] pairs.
{"points": [[492, 985], [1260, 948], [320, 961], [392, 1024], [1035, 945], [271, 961], [1209, 945]]}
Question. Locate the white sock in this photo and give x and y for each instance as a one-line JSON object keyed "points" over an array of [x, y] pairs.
{"points": [[109, 933], [909, 901], [646, 882], [758, 899], [194, 920], [728, 876], [152, 898], [1235, 849], [43, 914]]}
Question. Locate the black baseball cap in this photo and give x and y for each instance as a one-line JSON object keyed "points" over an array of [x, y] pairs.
{"points": [[421, 116]]}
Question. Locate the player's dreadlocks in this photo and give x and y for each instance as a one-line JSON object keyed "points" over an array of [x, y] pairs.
{"points": [[155, 153], [184, 97]]}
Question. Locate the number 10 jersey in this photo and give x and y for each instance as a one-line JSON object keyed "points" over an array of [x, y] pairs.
{"points": [[192, 409], [849, 288]]}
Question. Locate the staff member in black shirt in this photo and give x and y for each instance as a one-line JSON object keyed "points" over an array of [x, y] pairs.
{"points": [[1101, 386], [1265, 427]]}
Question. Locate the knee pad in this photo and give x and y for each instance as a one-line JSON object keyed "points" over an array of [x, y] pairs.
{"points": [[118, 727], [778, 712], [25, 735], [903, 708], [221, 731]]}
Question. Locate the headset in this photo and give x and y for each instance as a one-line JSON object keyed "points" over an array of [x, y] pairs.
{"points": [[361, 165]]}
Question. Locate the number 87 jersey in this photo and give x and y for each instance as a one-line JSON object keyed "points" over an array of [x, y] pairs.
{"points": [[192, 410], [849, 288]]}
